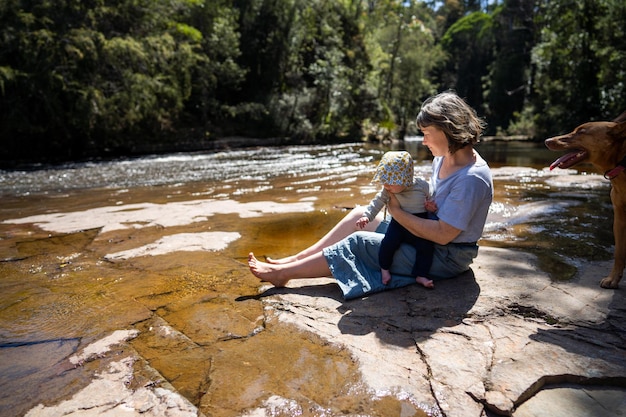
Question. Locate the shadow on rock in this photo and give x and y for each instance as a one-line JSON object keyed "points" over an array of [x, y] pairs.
{"points": [[399, 316], [597, 340], [412, 311], [327, 290]]}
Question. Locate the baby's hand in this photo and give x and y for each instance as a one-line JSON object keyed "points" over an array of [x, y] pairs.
{"points": [[430, 206], [362, 222]]}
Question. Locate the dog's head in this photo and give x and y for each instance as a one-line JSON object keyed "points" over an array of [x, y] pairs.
{"points": [[603, 144]]}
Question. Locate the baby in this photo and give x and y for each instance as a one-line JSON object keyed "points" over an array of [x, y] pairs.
{"points": [[395, 173]]}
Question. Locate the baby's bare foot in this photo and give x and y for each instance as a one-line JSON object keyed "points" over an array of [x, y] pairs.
{"points": [[428, 283], [265, 271], [386, 275]]}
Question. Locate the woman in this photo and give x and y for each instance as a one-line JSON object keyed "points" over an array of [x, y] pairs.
{"points": [[461, 188]]}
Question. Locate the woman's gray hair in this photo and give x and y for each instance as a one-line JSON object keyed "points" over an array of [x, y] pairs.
{"points": [[454, 117]]}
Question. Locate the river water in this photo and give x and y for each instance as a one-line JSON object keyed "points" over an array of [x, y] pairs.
{"points": [[161, 242]]}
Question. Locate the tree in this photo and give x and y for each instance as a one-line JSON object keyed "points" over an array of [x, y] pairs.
{"points": [[328, 67], [469, 44], [566, 64], [80, 78], [95, 77], [508, 82], [401, 43], [611, 54], [217, 77], [306, 67]]}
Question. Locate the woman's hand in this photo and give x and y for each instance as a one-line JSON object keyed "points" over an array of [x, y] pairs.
{"points": [[434, 230], [393, 205]]}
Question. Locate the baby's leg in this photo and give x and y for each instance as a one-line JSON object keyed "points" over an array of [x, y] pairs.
{"points": [[386, 275], [388, 246], [428, 283]]}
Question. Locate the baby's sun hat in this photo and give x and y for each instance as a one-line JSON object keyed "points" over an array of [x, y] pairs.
{"points": [[395, 168]]}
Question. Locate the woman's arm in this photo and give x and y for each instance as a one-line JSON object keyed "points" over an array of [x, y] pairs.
{"points": [[434, 230]]}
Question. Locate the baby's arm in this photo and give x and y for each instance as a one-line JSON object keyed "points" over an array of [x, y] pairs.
{"points": [[362, 222], [373, 208]]}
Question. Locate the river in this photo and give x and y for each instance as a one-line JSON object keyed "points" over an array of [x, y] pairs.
{"points": [[160, 242]]}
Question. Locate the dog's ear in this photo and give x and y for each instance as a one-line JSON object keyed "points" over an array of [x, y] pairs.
{"points": [[619, 130], [620, 118]]}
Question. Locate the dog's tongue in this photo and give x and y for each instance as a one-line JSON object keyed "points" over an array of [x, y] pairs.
{"points": [[568, 160]]}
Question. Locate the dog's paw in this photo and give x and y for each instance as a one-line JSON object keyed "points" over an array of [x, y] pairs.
{"points": [[610, 283]]}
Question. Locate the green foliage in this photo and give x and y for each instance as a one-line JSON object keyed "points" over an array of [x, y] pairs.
{"points": [[611, 54], [579, 63], [469, 44], [507, 85], [80, 78], [7, 74], [403, 51], [92, 76], [217, 74], [523, 123], [311, 72]]}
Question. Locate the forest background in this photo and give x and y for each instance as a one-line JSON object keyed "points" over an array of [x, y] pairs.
{"points": [[93, 78]]}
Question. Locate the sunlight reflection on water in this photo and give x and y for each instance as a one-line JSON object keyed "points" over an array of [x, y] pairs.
{"points": [[526, 191]]}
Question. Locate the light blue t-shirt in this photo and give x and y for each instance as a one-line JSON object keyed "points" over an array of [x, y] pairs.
{"points": [[463, 198]]}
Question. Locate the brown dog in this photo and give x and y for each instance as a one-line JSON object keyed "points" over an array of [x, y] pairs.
{"points": [[603, 144]]}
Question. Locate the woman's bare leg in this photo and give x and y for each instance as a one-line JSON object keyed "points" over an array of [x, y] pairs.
{"points": [[314, 266], [344, 228]]}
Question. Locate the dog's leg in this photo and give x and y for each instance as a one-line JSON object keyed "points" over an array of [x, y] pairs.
{"points": [[619, 233]]}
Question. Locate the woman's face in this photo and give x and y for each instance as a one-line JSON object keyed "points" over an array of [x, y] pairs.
{"points": [[435, 140]]}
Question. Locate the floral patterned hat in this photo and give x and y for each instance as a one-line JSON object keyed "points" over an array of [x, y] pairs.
{"points": [[395, 168]]}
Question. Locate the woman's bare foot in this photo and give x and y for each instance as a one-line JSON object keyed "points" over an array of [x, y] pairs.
{"points": [[265, 271], [386, 276], [428, 283], [281, 261]]}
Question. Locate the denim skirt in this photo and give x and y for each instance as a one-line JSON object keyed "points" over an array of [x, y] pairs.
{"points": [[353, 262]]}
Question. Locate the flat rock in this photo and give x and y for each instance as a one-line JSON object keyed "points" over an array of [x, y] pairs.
{"points": [[503, 339]]}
